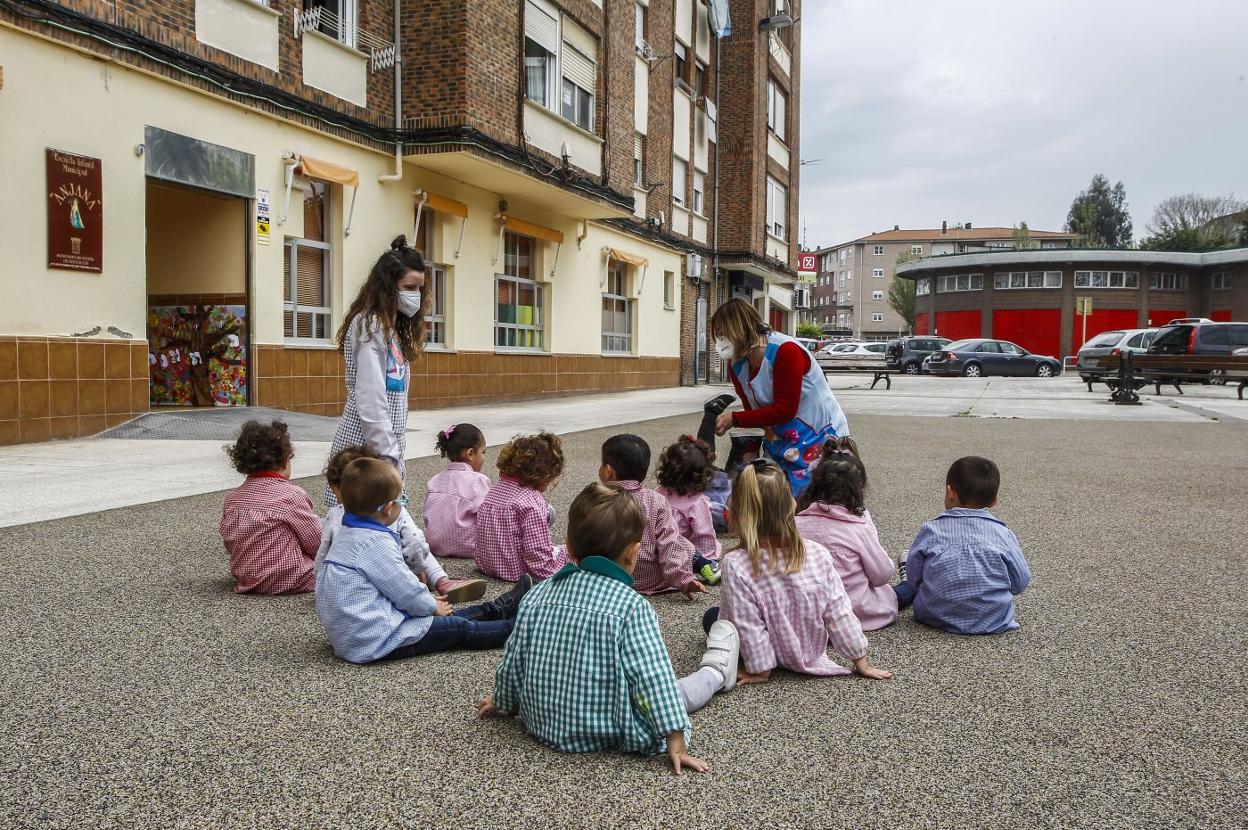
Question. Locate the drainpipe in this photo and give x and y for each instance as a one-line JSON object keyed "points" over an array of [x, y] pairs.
{"points": [[719, 152], [397, 175]]}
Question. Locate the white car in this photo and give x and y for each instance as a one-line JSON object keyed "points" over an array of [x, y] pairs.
{"points": [[1135, 341], [842, 346], [856, 352]]}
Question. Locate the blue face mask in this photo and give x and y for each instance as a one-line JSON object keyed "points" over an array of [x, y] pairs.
{"points": [[409, 303]]}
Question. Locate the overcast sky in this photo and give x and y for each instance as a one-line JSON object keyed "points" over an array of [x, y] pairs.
{"points": [[999, 111]]}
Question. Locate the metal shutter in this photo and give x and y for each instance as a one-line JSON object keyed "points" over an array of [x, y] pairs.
{"points": [[578, 68], [541, 27]]}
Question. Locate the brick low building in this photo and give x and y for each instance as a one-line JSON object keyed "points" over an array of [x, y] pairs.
{"points": [[200, 187]]}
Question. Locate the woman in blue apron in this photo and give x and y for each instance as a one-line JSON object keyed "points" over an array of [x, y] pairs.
{"points": [[782, 388], [384, 329]]}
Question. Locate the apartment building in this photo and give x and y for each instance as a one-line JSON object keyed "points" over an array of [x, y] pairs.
{"points": [[850, 295], [203, 185]]}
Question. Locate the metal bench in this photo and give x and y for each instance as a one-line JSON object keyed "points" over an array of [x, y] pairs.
{"points": [[849, 367], [1126, 373]]}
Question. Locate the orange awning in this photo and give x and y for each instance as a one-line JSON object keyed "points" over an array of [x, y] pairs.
{"points": [[631, 259], [444, 205], [329, 172], [530, 229]]}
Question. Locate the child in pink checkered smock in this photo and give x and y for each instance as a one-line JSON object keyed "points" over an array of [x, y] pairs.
{"points": [[684, 473], [781, 591], [513, 523], [455, 493]]}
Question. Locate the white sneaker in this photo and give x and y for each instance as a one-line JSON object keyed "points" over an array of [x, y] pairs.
{"points": [[723, 648]]}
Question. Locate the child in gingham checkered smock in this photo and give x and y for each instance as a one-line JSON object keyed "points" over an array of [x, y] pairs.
{"points": [[382, 332]]}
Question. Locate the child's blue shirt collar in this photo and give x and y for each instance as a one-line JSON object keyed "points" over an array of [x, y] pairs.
{"points": [[365, 523], [598, 565]]}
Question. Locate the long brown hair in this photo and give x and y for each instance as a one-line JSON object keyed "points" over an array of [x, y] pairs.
{"points": [[739, 323], [762, 509], [378, 300], [840, 478]]}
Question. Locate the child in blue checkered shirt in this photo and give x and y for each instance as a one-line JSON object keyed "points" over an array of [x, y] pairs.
{"points": [[586, 647]]}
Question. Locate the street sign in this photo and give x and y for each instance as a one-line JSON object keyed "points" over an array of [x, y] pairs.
{"points": [[807, 263], [1083, 305]]}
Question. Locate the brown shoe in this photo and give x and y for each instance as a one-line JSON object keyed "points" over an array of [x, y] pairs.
{"points": [[461, 590]]}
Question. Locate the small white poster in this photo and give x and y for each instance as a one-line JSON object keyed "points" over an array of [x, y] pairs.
{"points": [[262, 217]]}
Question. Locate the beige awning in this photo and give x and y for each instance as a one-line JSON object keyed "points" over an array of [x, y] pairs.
{"points": [[328, 171], [443, 205], [529, 229], [624, 256]]}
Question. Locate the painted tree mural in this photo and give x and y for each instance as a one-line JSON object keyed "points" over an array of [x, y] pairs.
{"points": [[199, 355]]}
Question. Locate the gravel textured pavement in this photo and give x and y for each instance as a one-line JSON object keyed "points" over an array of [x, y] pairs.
{"points": [[138, 691]]}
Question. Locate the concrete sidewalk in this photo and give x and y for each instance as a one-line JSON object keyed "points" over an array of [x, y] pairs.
{"points": [[68, 478]]}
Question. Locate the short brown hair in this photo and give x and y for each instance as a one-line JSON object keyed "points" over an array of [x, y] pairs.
{"points": [[368, 485], [532, 460], [738, 322], [605, 520], [339, 461], [975, 479], [261, 448]]}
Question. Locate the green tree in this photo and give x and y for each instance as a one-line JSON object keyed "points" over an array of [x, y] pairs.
{"points": [[809, 329], [1098, 216], [1191, 222], [1022, 237], [901, 299]]}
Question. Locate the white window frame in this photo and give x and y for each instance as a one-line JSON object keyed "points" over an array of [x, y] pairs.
{"points": [[1221, 281], [582, 114], [436, 318], [617, 342], [877, 295], [639, 160], [777, 107], [669, 289], [877, 317], [952, 283], [879, 250], [1167, 281], [1034, 280], [345, 28], [536, 331], [322, 316], [916, 249], [680, 173], [877, 272], [1129, 280], [680, 55], [777, 209], [699, 192]]}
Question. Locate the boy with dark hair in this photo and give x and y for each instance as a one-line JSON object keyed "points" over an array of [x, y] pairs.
{"points": [[371, 604], [267, 523], [586, 668], [665, 562], [965, 566]]}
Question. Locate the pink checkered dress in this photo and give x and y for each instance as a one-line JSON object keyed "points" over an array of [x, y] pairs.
{"points": [[451, 509], [513, 533], [692, 513], [271, 533], [787, 620], [665, 562]]}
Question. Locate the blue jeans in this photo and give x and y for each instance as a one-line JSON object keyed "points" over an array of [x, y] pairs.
{"points": [[905, 594], [470, 628]]}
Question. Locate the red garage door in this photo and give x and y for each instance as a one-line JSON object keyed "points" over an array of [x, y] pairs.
{"points": [[920, 324], [1161, 316], [1221, 315], [1037, 330], [958, 325], [1105, 319]]}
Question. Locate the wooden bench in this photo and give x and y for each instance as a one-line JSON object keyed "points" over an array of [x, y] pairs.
{"points": [[1126, 373], [851, 367]]}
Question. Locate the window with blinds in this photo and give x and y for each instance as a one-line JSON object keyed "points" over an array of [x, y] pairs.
{"points": [[541, 46], [639, 168], [560, 63], [307, 312]]}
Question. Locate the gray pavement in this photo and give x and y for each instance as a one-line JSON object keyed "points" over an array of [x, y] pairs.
{"points": [[140, 692]]}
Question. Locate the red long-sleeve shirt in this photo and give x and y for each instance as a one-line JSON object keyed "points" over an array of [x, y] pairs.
{"points": [[791, 365]]}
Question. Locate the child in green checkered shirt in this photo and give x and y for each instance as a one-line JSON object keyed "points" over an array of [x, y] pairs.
{"points": [[587, 621]]}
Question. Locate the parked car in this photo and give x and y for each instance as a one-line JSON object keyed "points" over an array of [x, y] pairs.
{"points": [[854, 352], [907, 353], [810, 344], [840, 346], [977, 357], [1201, 337], [1135, 341]]}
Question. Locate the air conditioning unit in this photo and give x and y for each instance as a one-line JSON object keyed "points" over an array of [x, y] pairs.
{"points": [[695, 266]]}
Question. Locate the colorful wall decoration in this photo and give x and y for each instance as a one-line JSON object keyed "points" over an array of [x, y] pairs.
{"points": [[198, 355]]}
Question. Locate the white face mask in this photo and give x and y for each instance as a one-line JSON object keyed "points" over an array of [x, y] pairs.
{"points": [[724, 347], [409, 303]]}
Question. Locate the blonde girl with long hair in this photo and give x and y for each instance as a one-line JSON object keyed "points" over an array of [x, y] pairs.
{"points": [[781, 591]]}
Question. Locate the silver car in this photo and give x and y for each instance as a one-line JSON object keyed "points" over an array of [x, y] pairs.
{"points": [[1106, 343]]}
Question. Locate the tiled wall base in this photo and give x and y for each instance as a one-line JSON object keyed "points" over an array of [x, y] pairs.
{"points": [[311, 380], [69, 387]]}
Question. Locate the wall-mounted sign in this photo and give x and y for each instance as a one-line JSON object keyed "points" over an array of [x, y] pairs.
{"points": [[75, 212], [807, 263], [262, 217]]}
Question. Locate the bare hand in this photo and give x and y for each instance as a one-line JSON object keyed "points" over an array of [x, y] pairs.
{"points": [[444, 608], [863, 667], [680, 757], [486, 708], [723, 423], [744, 678], [693, 587]]}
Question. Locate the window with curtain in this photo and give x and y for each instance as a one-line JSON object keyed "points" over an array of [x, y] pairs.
{"points": [[579, 72], [617, 311], [307, 312], [541, 45], [519, 319]]}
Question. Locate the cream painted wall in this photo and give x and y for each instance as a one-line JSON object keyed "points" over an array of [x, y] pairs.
{"points": [[196, 243], [240, 27], [544, 129], [335, 67]]}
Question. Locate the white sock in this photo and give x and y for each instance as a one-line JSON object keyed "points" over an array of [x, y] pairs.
{"points": [[697, 689]]}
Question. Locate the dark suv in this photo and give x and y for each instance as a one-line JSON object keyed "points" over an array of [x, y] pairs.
{"points": [[907, 353], [1201, 338]]}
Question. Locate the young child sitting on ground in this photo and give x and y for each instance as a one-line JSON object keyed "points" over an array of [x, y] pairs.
{"points": [[744, 447], [455, 493], [684, 474], [416, 551], [586, 668], [833, 513], [782, 592], [268, 525], [965, 566], [513, 522], [370, 603], [666, 559]]}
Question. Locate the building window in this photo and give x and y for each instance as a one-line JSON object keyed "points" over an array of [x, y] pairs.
{"points": [[699, 190], [1031, 279], [435, 280], [519, 321], [777, 208], [923, 287], [541, 44], [1222, 281], [960, 282], [617, 311], [639, 163], [1164, 281], [879, 250], [682, 62], [877, 272], [776, 106], [699, 78], [1109, 279], [877, 317], [877, 295], [577, 106], [641, 29], [917, 250], [669, 289], [339, 18], [679, 171], [307, 313]]}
